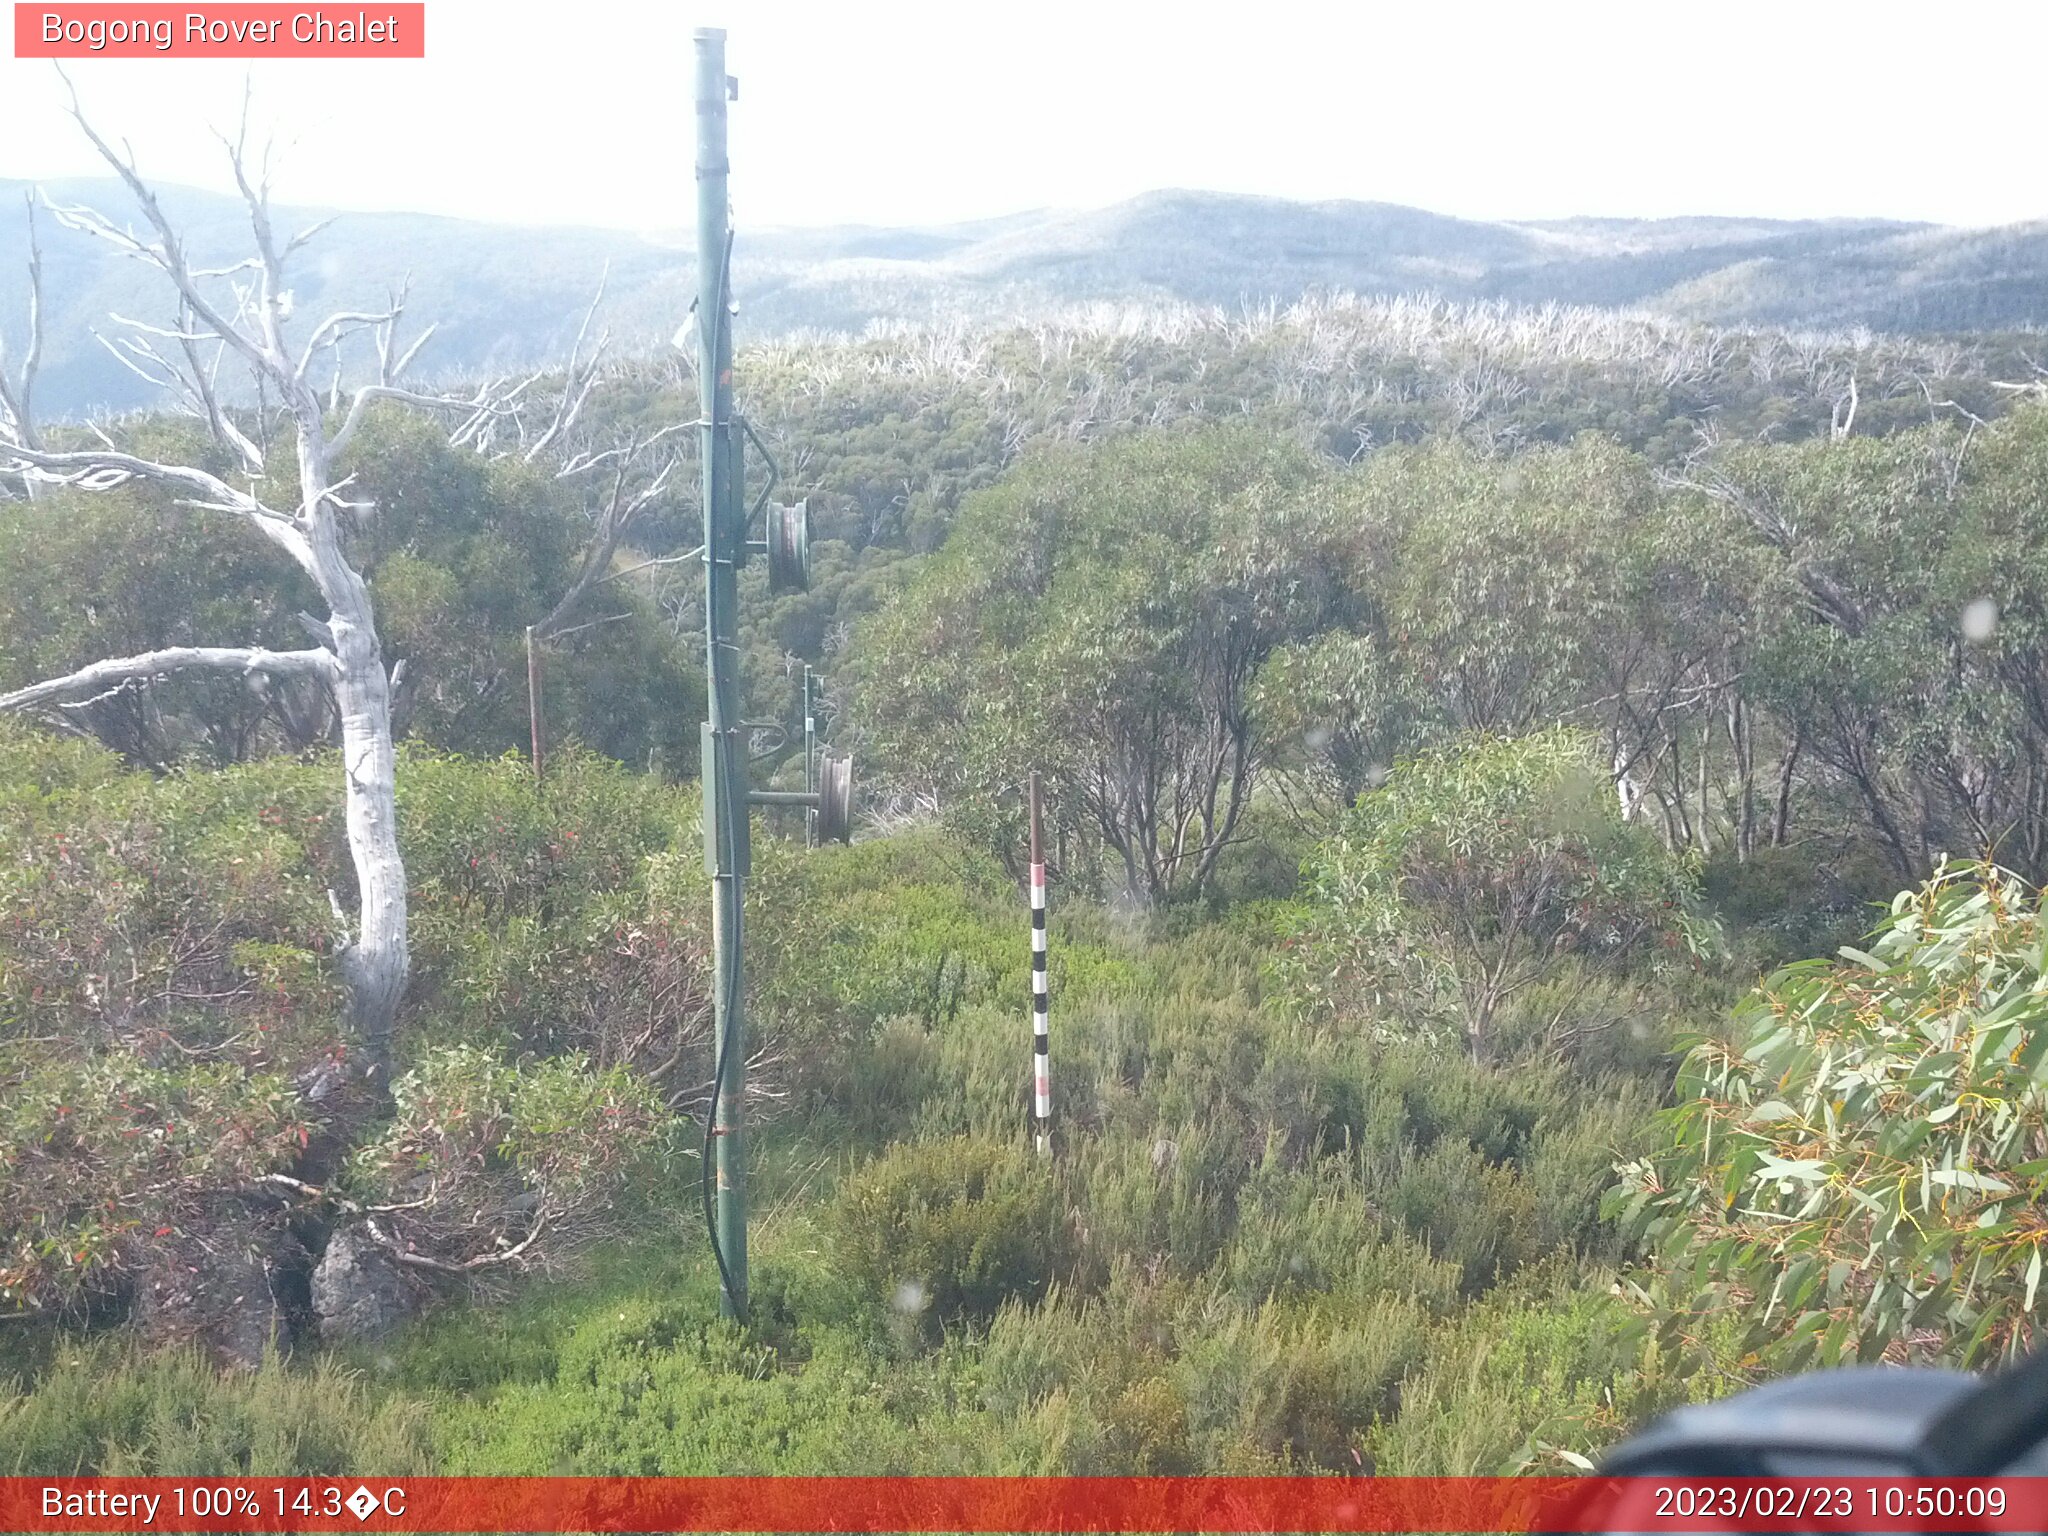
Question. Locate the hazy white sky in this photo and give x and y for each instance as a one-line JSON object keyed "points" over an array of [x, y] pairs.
{"points": [[875, 111]]}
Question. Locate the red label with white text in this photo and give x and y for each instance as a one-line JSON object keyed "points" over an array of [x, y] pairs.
{"points": [[235, 31]]}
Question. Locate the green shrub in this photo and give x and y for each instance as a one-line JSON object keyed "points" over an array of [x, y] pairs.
{"points": [[1419, 1098], [1299, 1389], [1808, 898], [1527, 1380], [911, 927], [954, 1228], [137, 915], [1163, 1374], [39, 764], [652, 1390], [102, 1411], [102, 1160], [485, 1163], [482, 841], [1318, 1242], [882, 1087], [1604, 1023], [1472, 875], [1472, 1213], [1159, 1194], [148, 924], [563, 918], [1099, 1374], [1570, 1168]]}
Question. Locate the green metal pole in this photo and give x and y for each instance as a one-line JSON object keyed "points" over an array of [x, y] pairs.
{"points": [[725, 799]]}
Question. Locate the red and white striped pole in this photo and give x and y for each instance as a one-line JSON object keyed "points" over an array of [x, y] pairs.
{"points": [[1041, 1040]]}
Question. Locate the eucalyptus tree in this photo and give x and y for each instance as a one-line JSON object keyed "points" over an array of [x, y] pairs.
{"points": [[1903, 651], [1497, 593], [1101, 615], [1858, 1147]]}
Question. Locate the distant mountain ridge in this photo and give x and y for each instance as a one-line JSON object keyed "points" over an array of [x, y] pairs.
{"points": [[507, 296]]}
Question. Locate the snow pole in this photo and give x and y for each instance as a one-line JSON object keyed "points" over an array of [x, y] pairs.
{"points": [[1041, 1039]]}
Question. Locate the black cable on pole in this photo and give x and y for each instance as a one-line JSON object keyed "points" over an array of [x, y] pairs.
{"points": [[706, 1181]]}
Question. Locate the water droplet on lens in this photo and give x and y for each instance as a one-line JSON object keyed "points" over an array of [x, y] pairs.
{"points": [[1980, 619], [909, 1298]]}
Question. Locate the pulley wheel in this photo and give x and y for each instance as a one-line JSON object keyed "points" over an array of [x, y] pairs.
{"points": [[789, 547], [835, 798]]}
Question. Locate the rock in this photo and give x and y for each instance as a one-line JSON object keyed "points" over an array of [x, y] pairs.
{"points": [[320, 1080], [216, 1292], [358, 1293]]}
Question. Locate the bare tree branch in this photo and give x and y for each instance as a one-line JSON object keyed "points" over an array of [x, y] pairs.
{"points": [[621, 508], [168, 255], [483, 405], [403, 1255], [335, 329], [103, 675], [99, 469], [578, 377]]}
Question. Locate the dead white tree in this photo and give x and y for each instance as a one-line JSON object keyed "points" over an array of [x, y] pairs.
{"points": [[240, 313], [637, 473], [632, 476], [17, 393]]}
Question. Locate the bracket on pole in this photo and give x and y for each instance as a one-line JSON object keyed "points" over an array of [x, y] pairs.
{"points": [[832, 800]]}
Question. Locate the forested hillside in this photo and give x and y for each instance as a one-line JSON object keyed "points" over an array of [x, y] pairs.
{"points": [[1492, 756], [507, 296]]}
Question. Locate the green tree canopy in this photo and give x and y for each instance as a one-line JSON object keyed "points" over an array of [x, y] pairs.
{"points": [[1101, 616]]}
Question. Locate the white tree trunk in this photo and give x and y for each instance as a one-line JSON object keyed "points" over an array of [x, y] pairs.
{"points": [[377, 961]]}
